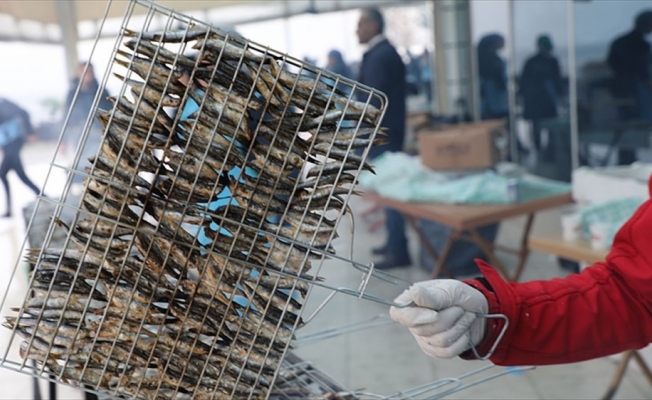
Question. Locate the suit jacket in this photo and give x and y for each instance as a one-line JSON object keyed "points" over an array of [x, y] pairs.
{"points": [[383, 69]]}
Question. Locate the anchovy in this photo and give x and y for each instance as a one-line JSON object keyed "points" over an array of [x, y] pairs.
{"points": [[179, 188], [115, 246], [289, 79], [145, 112], [190, 166], [229, 51], [107, 165], [159, 53], [102, 228], [345, 134], [170, 36], [149, 93], [335, 167], [224, 95], [154, 73], [344, 178]]}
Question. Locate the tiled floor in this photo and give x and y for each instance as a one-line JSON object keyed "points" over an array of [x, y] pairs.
{"points": [[382, 360]]}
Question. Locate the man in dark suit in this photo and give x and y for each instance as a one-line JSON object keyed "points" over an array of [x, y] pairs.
{"points": [[383, 69]]}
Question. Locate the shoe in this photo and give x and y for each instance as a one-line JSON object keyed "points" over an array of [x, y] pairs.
{"points": [[392, 261], [6, 215], [379, 251]]}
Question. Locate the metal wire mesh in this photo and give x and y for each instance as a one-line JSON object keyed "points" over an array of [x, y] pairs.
{"points": [[222, 172]]}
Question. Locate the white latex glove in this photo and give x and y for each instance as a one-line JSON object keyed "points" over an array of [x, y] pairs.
{"points": [[443, 319]]}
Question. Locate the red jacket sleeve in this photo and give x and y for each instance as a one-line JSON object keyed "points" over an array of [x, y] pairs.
{"points": [[604, 310]]}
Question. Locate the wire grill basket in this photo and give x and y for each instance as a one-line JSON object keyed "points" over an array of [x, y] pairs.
{"points": [[211, 200], [198, 210]]}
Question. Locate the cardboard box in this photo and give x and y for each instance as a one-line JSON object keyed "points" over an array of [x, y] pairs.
{"points": [[464, 146]]}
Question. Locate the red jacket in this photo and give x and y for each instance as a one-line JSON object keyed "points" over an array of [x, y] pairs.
{"points": [[604, 310]]}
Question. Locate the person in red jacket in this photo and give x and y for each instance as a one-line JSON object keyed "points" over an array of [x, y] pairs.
{"points": [[604, 310]]}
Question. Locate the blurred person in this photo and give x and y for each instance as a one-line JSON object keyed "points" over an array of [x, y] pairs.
{"points": [[88, 87], [382, 68], [337, 65], [426, 74], [603, 310], [413, 74], [630, 59], [539, 87], [493, 77], [309, 72], [15, 129]]}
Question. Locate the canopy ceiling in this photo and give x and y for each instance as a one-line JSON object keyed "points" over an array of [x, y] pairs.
{"points": [[44, 11], [39, 20]]}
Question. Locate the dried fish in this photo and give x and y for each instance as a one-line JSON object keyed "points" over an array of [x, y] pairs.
{"points": [[156, 74], [150, 94], [159, 53], [188, 275], [229, 51]]}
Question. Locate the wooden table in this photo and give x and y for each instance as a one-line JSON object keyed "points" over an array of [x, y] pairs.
{"points": [[581, 251], [465, 220]]}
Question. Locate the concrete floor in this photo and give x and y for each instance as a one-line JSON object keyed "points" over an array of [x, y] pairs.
{"points": [[386, 360], [382, 360]]}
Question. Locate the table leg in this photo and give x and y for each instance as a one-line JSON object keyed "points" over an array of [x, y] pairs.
{"points": [[35, 384], [488, 251], [90, 396], [644, 367], [439, 268], [612, 146], [622, 368], [439, 260], [618, 377], [524, 251], [52, 389]]}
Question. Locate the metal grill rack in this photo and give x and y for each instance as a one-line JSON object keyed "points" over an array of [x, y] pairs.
{"points": [[217, 180]]}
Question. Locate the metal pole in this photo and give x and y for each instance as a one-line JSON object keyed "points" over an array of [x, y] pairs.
{"points": [[434, 104], [286, 26], [453, 50], [69, 37], [441, 69], [511, 86], [572, 82], [474, 77]]}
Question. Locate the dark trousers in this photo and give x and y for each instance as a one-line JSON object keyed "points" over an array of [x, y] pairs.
{"points": [[396, 239], [627, 156], [536, 134], [11, 160]]}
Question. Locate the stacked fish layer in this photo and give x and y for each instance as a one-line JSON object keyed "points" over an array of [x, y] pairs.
{"points": [[209, 201]]}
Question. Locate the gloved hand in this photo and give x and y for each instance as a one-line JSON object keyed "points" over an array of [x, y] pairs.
{"points": [[443, 318]]}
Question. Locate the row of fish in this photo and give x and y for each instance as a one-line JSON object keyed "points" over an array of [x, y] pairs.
{"points": [[186, 272]]}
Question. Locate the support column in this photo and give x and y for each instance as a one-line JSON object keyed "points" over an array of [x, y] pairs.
{"points": [[67, 16], [572, 82], [511, 85], [456, 79]]}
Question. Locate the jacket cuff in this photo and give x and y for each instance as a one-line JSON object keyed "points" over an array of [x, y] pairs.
{"points": [[500, 300]]}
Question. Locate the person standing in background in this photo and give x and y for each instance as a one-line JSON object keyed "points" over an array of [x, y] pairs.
{"points": [[539, 86], [382, 69], [337, 65], [79, 114], [493, 77], [630, 59], [426, 74], [15, 127]]}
